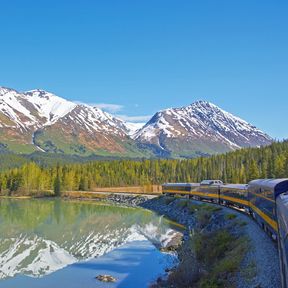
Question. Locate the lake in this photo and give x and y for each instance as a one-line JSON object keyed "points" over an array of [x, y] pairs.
{"points": [[59, 243]]}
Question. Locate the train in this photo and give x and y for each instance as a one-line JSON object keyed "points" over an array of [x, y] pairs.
{"points": [[265, 200]]}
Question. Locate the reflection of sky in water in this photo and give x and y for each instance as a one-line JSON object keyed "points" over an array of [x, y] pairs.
{"points": [[46, 239], [134, 265]]}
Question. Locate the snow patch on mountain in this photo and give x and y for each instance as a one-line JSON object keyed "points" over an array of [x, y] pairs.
{"points": [[93, 119], [48, 105], [11, 105], [132, 128]]}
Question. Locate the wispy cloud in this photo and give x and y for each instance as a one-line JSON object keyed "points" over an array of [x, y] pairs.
{"points": [[113, 108], [134, 119], [108, 107]]}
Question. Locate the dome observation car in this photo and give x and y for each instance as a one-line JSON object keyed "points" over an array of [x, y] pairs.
{"points": [[274, 186], [211, 182]]}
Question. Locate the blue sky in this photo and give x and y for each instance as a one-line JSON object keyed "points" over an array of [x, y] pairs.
{"points": [[143, 56]]}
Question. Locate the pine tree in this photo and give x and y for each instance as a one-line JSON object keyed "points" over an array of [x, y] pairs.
{"points": [[57, 186], [253, 172], [57, 183]]}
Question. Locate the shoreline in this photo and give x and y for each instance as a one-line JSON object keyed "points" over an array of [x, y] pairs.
{"points": [[255, 266]]}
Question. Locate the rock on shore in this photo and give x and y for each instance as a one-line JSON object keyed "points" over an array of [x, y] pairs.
{"points": [[105, 278], [129, 200]]}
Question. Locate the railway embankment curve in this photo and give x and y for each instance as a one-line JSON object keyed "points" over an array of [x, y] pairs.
{"points": [[259, 265]]}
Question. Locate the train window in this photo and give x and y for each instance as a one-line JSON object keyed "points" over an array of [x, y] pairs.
{"points": [[269, 193], [177, 188]]}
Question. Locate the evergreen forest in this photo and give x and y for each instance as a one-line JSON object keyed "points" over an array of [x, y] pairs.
{"points": [[25, 176]]}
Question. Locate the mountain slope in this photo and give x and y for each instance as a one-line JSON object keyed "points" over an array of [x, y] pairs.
{"points": [[200, 128], [18, 119], [85, 129], [39, 120]]}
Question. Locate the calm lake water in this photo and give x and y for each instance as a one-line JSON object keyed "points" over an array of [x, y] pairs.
{"points": [[56, 243]]}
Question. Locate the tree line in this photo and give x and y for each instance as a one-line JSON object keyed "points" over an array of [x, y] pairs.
{"points": [[239, 166]]}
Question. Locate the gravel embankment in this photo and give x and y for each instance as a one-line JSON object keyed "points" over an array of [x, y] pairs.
{"points": [[128, 200], [260, 267], [263, 254]]}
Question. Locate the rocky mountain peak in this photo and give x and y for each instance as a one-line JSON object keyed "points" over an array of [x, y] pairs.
{"points": [[37, 92], [201, 125], [57, 125]]}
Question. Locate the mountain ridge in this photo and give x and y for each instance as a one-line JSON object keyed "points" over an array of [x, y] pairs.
{"points": [[200, 124], [40, 120]]}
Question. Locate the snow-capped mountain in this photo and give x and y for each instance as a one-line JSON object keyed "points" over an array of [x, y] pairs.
{"points": [[201, 127], [34, 108], [84, 128], [39, 120]]}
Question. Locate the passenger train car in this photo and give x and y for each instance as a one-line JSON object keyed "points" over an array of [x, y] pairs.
{"points": [[266, 200]]}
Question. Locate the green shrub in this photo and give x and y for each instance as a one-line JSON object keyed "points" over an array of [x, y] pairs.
{"points": [[210, 207], [211, 246], [250, 271], [221, 253], [230, 216], [182, 203], [242, 223], [203, 217], [192, 208], [209, 283]]}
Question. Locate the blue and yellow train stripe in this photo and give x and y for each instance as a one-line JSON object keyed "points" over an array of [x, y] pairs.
{"points": [[271, 222]]}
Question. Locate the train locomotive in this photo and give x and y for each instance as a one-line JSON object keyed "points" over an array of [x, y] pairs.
{"points": [[265, 200]]}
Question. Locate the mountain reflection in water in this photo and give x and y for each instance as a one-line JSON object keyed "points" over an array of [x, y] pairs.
{"points": [[38, 237]]}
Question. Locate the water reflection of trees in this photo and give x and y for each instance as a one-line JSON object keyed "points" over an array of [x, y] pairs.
{"points": [[49, 217]]}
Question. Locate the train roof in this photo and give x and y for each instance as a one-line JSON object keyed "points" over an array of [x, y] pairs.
{"points": [[235, 186], [278, 186], [181, 184], [211, 180]]}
